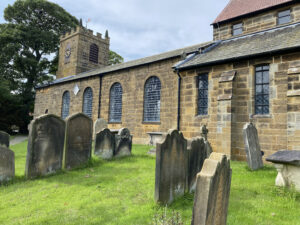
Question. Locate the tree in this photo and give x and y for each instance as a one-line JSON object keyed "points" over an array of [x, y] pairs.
{"points": [[30, 35], [114, 58]]}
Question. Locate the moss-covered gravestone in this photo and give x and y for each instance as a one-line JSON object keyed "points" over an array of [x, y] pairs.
{"points": [[78, 148], [45, 146], [123, 143], [105, 144], [7, 164], [4, 139]]}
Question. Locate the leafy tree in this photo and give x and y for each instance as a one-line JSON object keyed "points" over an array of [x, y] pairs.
{"points": [[114, 58], [30, 35]]}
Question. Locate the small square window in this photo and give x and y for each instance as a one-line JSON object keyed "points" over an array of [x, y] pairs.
{"points": [[284, 17], [237, 29]]}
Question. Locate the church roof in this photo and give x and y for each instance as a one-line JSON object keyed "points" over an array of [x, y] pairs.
{"points": [[258, 44], [237, 8]]}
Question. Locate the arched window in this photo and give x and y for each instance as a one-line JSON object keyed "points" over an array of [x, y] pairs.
{"points": [[65, 105], [87, 107], [152, 100], [115, 103], [94, 50]]}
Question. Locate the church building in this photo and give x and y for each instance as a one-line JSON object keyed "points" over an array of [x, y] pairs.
{"points": [[249, 72]]}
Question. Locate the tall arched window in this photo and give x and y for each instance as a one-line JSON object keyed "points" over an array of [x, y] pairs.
{"points": [[65, 104], [115, 103], [87, 107], [94, 50], [152, 100]]}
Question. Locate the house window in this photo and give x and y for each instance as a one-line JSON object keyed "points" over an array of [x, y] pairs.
{"points": [[202, 94], [94, 50], [262, 89], [237, 29], [152, 100], [87, 107], [65, 105], [115, 103], [284, 17]]}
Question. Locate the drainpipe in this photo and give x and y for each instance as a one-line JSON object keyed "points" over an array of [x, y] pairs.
{"points": [[178, 106], [100, 91]]}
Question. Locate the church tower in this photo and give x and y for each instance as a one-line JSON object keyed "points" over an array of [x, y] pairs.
{"points": [[81, 50]]}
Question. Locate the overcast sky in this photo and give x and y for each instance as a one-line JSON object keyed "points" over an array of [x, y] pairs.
{"points": [[140, 28]]}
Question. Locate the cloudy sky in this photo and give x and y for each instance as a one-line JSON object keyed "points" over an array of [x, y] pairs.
{"points": [[140, 28]]}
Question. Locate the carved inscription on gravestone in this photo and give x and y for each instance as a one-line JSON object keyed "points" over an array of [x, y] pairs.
{"points": [[4, 139], [212, 191], [123, 143], [45, 146], [252, 147], [171, 167], [7, 164], [79, 128], [105, 144]]}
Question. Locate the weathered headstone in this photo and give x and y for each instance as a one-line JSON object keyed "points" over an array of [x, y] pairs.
{"points": [[123, 143], [45, 146], [105, 144], [171, 167], [7, 164], [4, 139], [252, 147], [212, 191], [197, 150], [99, 125], [78, 149], [204, 132]]}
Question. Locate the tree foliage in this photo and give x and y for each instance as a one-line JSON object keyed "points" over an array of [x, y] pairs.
{"points": [[114, 58]]}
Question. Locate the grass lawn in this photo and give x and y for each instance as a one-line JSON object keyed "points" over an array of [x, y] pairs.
{"points": [[121, 192]]}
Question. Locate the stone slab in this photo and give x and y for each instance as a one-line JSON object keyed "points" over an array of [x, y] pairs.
{"points": [[7, 164], [123, 143], [4, 139], [45, 146], [78, 149], [285, 157], [99, 125], [105, 144]]}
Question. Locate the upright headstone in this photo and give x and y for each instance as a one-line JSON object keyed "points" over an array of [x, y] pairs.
{"points": [[105, 144], [212, 191], [252, 147], [78, 149], [197, 154], [45, 146], [171, 167], [99, 125], [123, 143], [7, 164], [4, 139]]}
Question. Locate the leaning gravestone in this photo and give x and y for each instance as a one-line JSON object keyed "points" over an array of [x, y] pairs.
{"points": [[4, 139], [7, 164], [78, 149], [123, 142], [197, 152], [212, 191], [252, 147], [105, 144], [45, 146], [171, 167], [100, 124]]}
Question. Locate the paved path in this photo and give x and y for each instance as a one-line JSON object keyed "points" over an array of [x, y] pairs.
{"points": [[18, 139]]}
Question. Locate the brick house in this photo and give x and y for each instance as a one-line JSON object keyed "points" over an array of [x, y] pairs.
{"points": [[249, 72]]}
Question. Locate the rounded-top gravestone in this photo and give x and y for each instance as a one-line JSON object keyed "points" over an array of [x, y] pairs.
{"points": [[123, 142], [105, 144], [100, 124]]}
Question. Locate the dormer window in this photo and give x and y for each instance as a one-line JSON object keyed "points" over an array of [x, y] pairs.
{"points": [[284, 17], [237, 29]]}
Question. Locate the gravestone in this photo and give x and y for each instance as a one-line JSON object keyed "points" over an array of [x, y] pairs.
{"points": [[171, 167], [198, 152], [45, 146], [4, 139], [212, 191], [7, 164], [78, 149], [123, 143], [105, 144], [99, 125], [252, 147]]}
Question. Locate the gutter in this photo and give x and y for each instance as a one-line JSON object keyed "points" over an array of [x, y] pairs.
{"points": [[178, 103]]}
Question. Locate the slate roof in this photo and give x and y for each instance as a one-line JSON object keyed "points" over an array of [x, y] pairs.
{"points": [[130, 64], [252, 45], [237, 8]]}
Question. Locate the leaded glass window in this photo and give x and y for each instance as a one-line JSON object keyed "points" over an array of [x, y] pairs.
{"points": [[152, 100], [237, 29], [115, 103], [65, 105], [203, 94], [262, 89], [284, 17], [88, 101], [94, 50]]}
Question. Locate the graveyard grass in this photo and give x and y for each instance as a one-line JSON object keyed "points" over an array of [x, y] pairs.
{"points": [[121, 191]]}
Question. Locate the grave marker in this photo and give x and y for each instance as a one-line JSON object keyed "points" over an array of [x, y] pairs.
{"points": [[7, 164], [123, 142], [105, 144], [4, 139]]}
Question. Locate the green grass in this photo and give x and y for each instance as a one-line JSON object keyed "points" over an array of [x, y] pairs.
{"points": [[121, 192]]}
